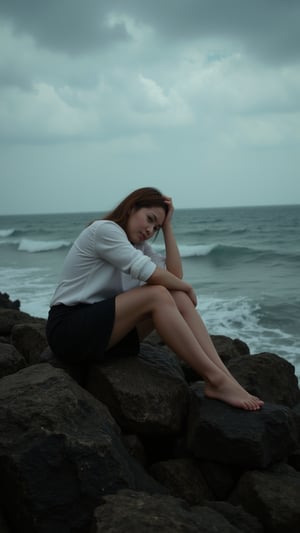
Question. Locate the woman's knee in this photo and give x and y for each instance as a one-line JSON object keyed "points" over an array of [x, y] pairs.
{"points": [[160, 295], [182, 301]]}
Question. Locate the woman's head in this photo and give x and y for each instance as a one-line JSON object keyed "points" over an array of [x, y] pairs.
{"points": [[146, 197]]}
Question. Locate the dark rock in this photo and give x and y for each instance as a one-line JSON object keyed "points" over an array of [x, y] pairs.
{"points": [[3, 524], [30, 340], [294, 460], [10, 317], [7, 303], [10, 360], [228, 348], [296, 412], [143, 398], [136, 448], [183, 479], [268, 376], [161, 359], [219, 477], [252, 439], [237, 516], [273, 497], [154, 339], [60, 452], [140, 512], [241, 347]]}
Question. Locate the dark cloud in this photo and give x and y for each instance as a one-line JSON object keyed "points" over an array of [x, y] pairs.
{"points": [[71, 26], [267, 28]]}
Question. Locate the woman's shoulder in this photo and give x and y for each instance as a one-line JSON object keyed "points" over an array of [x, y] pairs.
{"points": [[107, 228], [106, 224]]}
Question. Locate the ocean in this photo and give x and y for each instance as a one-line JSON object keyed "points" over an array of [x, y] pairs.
{"points": [[243, 262]]}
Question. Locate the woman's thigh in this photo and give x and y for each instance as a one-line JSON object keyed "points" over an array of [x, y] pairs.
{"points": [[134, 309]]}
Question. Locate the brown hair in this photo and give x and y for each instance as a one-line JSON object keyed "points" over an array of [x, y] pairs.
{"points": [[144, 197]]}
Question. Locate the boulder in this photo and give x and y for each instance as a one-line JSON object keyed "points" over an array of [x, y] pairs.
{"points": [[273, 497], [144, 395], [268, 376], [157, 456], [136, 448], [10, 359], [133, 512], [251, 439], [296, 412], [294, 460], [3, 524], [7, 303], [220, 478], [60, 452], [183, 478], [30, 340], [228, 348], [237, 516], [10, 317]]}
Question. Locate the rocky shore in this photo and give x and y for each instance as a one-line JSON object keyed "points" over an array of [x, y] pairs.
{"points": [[134, 446]]}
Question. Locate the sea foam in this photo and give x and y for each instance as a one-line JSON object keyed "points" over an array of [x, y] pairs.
{"points": [[6, 232], [31, 246]]}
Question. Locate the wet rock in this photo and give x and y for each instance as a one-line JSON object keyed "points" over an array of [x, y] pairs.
{"points": [[30, 340], [273, 497], [268, 376], [228, 348], [237, 516], [143, 398], [60, 452], [136, 449], [250, 439], [294, 460], [7, 303], [10, 360], [183, 478], [10, 317], [140, 512], [220, 478], [3, 524]]}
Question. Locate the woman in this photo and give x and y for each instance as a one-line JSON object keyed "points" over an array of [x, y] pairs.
{"points": [[114, 290]]}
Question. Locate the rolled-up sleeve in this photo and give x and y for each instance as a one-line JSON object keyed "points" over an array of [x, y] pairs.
{"points": [[112, 246]]}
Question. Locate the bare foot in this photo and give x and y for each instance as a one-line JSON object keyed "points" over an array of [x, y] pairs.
{"points": [[231, 392]]}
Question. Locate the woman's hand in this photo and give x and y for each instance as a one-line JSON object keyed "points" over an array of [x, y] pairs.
{"points": [[192, 295], [168, 201], [173, 260]]}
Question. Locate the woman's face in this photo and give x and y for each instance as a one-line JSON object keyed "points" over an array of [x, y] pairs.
{"points": [[143, 223]]}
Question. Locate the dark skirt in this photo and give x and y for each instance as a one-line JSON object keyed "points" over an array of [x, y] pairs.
{"points": [[81, 333]]}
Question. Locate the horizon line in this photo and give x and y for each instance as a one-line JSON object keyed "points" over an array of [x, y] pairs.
{"points": [[176, 209]]}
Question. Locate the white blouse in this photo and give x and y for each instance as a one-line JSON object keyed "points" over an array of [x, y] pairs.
{"points": [[103, 263]]}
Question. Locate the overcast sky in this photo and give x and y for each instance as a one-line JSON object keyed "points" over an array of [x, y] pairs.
{"points": [[200, 98]]}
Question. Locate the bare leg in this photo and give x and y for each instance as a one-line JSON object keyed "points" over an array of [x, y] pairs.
{"points": [[194, 320], [156, 302]]}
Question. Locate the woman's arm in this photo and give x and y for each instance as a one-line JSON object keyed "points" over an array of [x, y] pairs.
{"points": [[173, 259], [171, 278], [165, 278]]}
